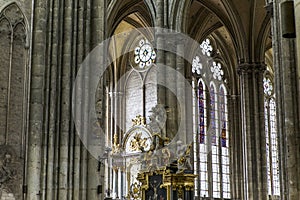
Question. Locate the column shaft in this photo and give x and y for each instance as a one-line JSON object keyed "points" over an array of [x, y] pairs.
{"points": [[97, 35], [36, 104], [252, 105], [287, 103], [171, 93], [297, 21], [181, 109], [236, 146], [65, 103]]}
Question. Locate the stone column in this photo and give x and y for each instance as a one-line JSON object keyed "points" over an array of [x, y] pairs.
{"points": [[181, 111], [236, 146], [116, 99], [290, 123], [97, 35], [297, 21], [65, 68], [171, 93], [36, 104], [160, 59], [120, 184], [117, 114], [115, 182], [253, 132], [287, 104], [80, 154]]}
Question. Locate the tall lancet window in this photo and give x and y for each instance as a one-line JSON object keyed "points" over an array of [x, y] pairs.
{"points": [[211, 134], [271, 139]]}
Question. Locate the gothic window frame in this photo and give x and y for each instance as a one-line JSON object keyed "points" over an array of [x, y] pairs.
{"points": [[14, 31], [141, 65], [214, 178], [272, 140], [17, 28]]}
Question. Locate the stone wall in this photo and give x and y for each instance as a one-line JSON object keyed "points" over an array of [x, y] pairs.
{"points": [[13, 99], [140, 96], [133, 98]]}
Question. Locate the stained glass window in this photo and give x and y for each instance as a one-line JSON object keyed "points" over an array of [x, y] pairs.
{"points": [[223, 117], [212, 134], [268, 87], [213, 112], [271, 139], [201, 112], [224, 143], [214, 142], [202, 140], [274, 148]]}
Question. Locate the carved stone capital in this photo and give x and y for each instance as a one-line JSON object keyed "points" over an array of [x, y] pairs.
{"points": [[247, 68]]}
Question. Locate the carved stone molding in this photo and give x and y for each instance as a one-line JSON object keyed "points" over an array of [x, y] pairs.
{"points": [[6, 171], [269, 8], [12, 20], [13, 14], [10, 169]]}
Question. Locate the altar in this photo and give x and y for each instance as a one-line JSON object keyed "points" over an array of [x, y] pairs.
{"points": [[154, 168], [166, 184]]}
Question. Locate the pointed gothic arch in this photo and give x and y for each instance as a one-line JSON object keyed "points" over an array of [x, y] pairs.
{"points": [[14, 81]]}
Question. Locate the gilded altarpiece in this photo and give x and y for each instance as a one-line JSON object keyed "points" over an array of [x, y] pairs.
{"points": [[155, 168]]}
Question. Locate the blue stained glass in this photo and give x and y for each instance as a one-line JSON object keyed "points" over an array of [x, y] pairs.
{"points": [[201, 113], [223, 137], [223, 117], [213, 116], [213, 123], [213, 139], [201, 139]]}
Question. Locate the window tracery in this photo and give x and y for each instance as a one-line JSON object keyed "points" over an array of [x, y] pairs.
{"points": [[206, 47], [212, 135], [144, 54], [268, 87], [217, 71], [272, 149], [196, 65]]}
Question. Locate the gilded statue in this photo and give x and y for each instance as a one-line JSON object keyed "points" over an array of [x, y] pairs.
{"points": [[139, 120], [138, 143], [116, 146]]}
